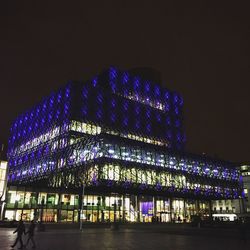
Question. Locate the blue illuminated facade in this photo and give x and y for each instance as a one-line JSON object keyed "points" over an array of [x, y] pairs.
{"points": [[123, 136]]}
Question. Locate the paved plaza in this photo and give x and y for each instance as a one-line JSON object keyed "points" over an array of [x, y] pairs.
{"points": [[103, 238]]}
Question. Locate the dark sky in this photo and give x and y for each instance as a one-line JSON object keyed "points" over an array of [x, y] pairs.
{"points": [[201, 48]]}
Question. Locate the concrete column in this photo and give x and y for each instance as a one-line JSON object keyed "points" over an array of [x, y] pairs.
{"points": [[104, 207], [197, 207], [36, 213], [3, 206], [210, 209], [154, 207], [241, 206], [123, 208], [171, 208], [59, 208], [137, 202], [184, 209]]}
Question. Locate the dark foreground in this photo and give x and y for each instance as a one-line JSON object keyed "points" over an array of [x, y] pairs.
{"points": [[130, 238]]}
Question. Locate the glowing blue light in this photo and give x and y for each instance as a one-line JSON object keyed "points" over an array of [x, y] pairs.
{"points": [[147, 86], [178, 137], [51, 102], [137, 109], [148, 113], [158, 117], [125, 92], [157, 91], [180, 100], [175, 98], [137, 124], [113, 103], [125, 77], [125, 121], [94, 82], [99, 98], [112, 73], [125, 105], [177, 123], [67, 93], [99, 114], [85, 92], [176, 110], [241, 179], [148, 127], [168, 121], [167, 107], [136, 83], [113, 87], [167, 95], [113, 117]]}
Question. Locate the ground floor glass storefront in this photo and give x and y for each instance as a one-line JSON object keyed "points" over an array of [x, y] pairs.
{"points": [[54, 207]]}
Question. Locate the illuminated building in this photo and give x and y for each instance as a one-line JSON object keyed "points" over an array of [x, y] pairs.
{"points": [[245, 171], [237, 207], [123, 136], [3, 185]]}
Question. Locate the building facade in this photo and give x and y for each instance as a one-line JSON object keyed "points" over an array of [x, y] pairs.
{"points": [[121, 137], [245, 172], [3, 185]]}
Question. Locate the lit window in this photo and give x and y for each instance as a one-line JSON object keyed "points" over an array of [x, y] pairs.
{"points": [[85, 128], [244, 167]]}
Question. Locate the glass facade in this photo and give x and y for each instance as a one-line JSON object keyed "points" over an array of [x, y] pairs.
{"points": [[3, 178], [122, 136], [245, 206], [101, 207], [28, 205]]}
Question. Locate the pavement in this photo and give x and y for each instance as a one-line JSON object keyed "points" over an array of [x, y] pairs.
{"points": [[138, 237]]}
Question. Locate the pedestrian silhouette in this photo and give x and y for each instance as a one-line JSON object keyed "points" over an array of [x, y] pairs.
{"points": [[20, 231], [30, 233]]}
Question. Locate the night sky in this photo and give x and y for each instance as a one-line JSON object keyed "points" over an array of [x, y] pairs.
{"points": [[202, 50]]}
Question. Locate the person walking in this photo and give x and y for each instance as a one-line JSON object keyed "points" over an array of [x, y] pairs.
{"points": [[30, 233], [20, 231]]}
